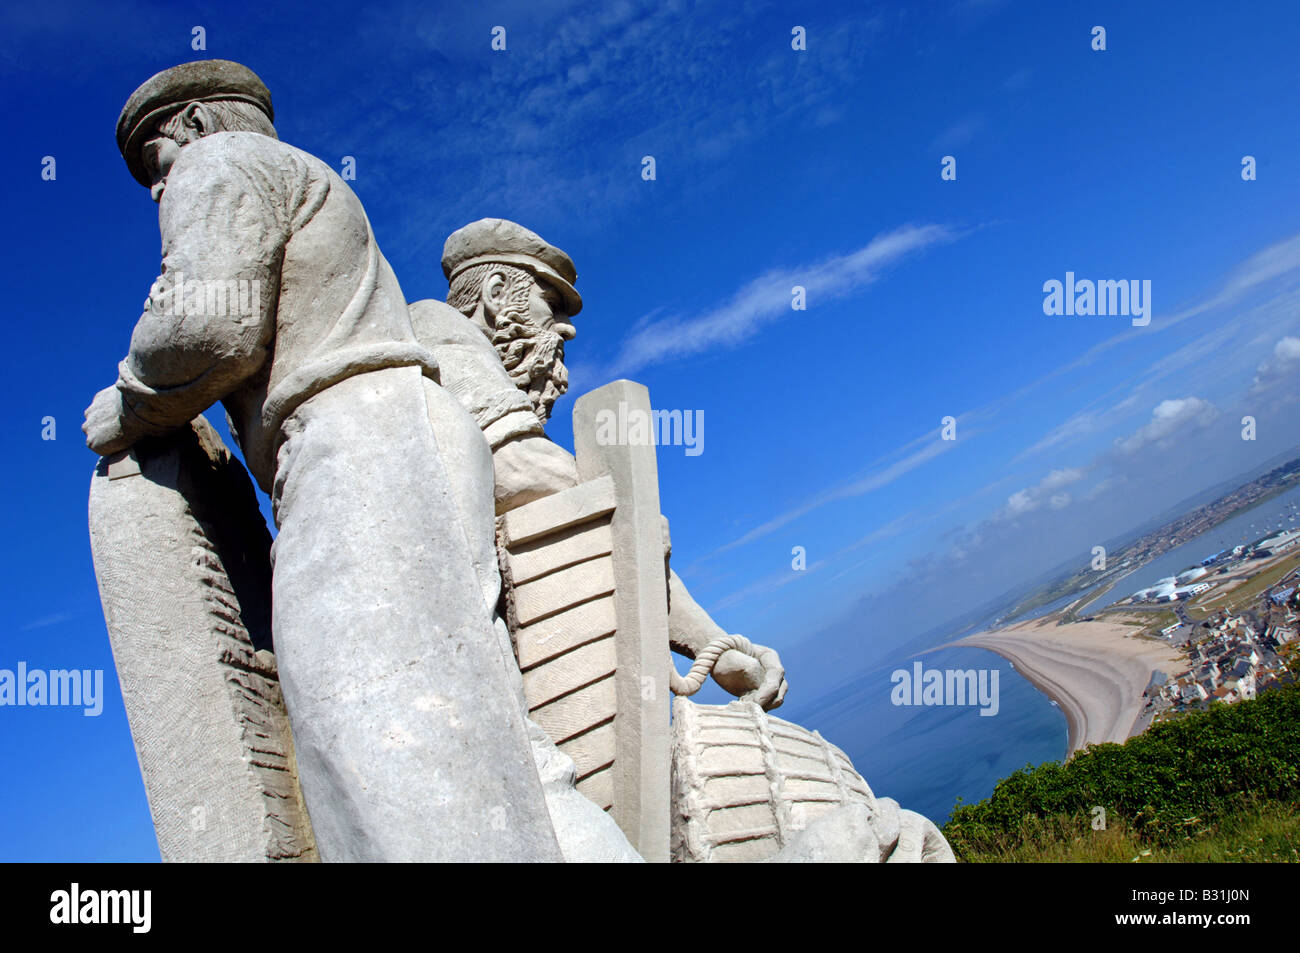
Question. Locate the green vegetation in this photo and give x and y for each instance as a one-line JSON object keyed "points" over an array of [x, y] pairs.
{"points": [[1221, 784], [1244, 595], [1160, 620], [1257, 833]]}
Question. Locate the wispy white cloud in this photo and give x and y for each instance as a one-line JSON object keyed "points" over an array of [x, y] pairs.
{"points": [[606, 83], [782, 578], [885, 471], [767, 585], [1059, 478], [1104, 486], [1277, 260], [1086, 422], [960, 133], [768, 298], [1106, 413], [1017, 80], [1043, 492], [1220, 344], [46, 621]]}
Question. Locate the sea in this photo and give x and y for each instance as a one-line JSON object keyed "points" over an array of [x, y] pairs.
{"points": [[929, 757], [926, 757]]}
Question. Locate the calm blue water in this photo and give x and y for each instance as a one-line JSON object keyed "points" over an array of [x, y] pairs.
{"points": [[1245, 528], [925, 757]]}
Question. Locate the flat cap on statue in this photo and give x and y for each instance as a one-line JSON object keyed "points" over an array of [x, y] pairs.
{"points": [[199, 81], [496, 240]]}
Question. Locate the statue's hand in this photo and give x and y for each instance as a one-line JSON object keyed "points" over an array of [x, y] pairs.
{"points": [[103, 427], [759, 679]]}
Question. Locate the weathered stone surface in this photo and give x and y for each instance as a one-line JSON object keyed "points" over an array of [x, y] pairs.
{"points": [[182, 558], [586, 833], [853, 833], [748, 786], [590, 624], [583, 829], [412, 745], [842, 836], [641, 607]]}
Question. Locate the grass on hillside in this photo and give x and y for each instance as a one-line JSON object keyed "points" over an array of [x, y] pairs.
{"points": [[1266, 832], [1245, 595], [1217, 784], [1162, 619]]}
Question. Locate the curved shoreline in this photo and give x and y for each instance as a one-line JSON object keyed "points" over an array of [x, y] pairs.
{"points": [[1096, 672], [1075, 714]]}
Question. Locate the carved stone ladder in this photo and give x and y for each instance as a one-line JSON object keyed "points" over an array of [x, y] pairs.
{"points": [[589, 617]]}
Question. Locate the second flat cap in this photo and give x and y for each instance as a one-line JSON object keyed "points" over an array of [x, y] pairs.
{"points": [[498, 240]]}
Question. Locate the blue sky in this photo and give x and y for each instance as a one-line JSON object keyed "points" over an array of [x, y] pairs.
{"points": [[774, 168]]}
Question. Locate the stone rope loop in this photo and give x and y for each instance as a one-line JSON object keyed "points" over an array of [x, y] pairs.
{"points": [[704, 662]]}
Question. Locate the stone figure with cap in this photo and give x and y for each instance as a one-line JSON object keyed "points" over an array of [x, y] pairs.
{"points": [[389, 439], [500, 342], [275, 300]]}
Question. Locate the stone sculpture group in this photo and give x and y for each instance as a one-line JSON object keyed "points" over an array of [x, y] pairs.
{"points": [[457, 647]]}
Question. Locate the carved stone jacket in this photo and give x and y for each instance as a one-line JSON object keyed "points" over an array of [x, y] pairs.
{"points": [[472, 371], [272, 289]]}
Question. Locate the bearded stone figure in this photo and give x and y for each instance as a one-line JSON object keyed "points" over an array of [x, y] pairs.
{"points": [[405, 455], [511, 299], [529, 343], [508, 286]]}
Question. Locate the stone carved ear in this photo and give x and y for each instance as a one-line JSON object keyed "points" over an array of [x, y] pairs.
{"points": [[493, 293], [197, 120]]}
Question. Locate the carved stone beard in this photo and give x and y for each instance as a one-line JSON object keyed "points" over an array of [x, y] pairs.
{"points": [[533, 357]]}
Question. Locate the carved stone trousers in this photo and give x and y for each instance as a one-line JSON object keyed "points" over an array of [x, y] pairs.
{"points": [[410, 741]]}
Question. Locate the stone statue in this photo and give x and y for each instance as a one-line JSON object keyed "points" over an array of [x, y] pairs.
{"points": [[470, 625], [500, 340], [183, 559], [275, 300]]}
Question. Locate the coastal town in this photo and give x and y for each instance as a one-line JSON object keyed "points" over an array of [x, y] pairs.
{"points": [[1222, 630], [1123, 559], [1236, 624]]}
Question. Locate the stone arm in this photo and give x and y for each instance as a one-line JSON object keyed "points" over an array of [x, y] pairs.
{"points": [[221, 226], [528, 465], [690, 629]]}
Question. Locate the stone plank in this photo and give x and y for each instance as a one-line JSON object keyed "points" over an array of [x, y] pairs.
{"points": [[561, 590], [553, 636], [570, 671]]}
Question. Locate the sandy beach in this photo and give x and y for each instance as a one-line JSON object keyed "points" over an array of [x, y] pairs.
{"points": [[1095, 671]]}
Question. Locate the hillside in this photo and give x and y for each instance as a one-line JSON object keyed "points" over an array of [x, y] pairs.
{"points": [[1221, 784]]}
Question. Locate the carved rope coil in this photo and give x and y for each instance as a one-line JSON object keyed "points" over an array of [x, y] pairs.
{"points": [[704, 662]]}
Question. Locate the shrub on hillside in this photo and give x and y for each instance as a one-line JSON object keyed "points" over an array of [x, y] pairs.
{"points": [[1180, 773]]}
